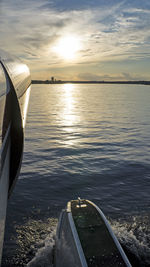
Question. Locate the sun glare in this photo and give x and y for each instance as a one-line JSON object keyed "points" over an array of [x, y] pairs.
{"points": [[67, 47]]}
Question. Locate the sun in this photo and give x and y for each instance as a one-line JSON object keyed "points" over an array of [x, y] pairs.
{"points": [[67, 47]]}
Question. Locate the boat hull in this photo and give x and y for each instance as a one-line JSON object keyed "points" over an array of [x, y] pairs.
{"points": [[85, 238], [14, 94]]}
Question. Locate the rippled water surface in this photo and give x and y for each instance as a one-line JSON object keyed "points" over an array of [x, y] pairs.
{"points": [[91, 141]]}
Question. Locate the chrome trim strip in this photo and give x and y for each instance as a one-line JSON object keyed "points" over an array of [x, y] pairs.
{"points": [[3, 149], [4, 184], [77, 241]]}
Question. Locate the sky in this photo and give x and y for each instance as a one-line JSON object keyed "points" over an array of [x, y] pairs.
{"points": [[79, 39]]}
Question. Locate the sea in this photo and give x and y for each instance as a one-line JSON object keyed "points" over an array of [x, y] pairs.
{"points": [[82, 140]]}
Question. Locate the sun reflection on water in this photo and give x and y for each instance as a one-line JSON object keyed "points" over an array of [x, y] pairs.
{"points": [[69, 118], [60, 111]]}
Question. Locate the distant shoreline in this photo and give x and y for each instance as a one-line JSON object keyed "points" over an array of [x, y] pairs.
{"points": [[90, 82]]}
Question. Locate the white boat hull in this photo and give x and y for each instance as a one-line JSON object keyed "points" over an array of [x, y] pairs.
{"points": [[14, 94], [84, 238]]}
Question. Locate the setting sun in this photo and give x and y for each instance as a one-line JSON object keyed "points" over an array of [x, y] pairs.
{"points": [[67, 47]]}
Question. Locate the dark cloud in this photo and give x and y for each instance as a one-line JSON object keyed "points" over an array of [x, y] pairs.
{"points": [[63, 5], [127, 76], [92, 77]]}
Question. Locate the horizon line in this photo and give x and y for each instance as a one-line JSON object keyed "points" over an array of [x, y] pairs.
{"points": [[80, 81]]}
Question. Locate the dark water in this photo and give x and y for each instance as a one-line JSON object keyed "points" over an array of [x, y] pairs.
{"points": [[91, 141]]}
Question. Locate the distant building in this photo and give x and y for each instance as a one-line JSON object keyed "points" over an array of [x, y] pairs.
{"points": [[52, 79]]}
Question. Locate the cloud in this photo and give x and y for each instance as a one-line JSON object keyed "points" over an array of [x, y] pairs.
{"points": [[93, 77], [105, 77], [108, 30]]}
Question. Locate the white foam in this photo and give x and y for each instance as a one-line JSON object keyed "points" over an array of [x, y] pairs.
{"points": [[134, 235], [44, 255]]}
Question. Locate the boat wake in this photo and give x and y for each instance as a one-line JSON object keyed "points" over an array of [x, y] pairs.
{"points": [[133, 233], [36, 239], [134, 236], [44, 254]]}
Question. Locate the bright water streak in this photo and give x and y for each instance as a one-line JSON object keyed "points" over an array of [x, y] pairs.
{"points": [[83, 140]]}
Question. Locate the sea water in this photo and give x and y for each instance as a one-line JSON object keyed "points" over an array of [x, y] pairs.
{"points": [[82, 140]]}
